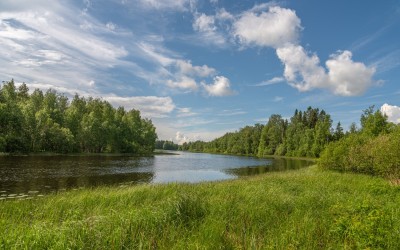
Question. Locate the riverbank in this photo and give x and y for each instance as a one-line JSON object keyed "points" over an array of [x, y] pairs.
{"points": [[307, 208]]}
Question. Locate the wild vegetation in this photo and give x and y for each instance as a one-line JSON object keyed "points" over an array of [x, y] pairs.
{"points": [[374, 149], [48, 122], [304, 135], [302, 209]]}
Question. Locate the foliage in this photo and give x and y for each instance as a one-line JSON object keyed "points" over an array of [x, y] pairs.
{"points": [[39, 122], [304, 209], [374, 149], [306, 134]]}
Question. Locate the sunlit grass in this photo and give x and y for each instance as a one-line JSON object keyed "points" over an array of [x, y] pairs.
{"points": [[307, 209]]}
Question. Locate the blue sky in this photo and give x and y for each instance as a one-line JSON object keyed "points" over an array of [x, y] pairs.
{"points": [[199, 68]]}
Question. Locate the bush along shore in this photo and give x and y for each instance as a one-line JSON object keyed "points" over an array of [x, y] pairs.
{"points": [[307, 209]]}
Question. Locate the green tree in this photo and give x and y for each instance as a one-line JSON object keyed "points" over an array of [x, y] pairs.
{"points": [[373, 122]]}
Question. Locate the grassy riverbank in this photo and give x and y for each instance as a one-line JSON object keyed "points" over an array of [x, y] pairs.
{"points": [[307, 208]]}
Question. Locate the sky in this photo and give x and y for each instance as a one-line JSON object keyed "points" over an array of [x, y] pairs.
{"points": [[201, 68]]}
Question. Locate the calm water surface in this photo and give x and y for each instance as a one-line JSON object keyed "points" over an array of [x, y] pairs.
{"points": [[44, 174]]}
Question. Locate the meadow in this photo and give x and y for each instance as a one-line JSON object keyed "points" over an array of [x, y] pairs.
{"points": [[309, 208]]}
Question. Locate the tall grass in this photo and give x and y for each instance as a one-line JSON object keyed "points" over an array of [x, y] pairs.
{"points": [[307, 209]]}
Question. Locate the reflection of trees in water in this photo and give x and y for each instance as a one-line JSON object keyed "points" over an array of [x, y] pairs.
{"points": [[46, 185], [51, 173], [276, 165]]}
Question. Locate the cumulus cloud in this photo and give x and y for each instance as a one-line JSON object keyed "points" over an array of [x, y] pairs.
{"points": [[392, 112], [220, 87], [348, 78], [342, 76], [302, 70], [274, 28], [271, 26]]}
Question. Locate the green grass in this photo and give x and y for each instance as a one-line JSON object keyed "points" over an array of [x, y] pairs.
{"points": [[302, 209]]}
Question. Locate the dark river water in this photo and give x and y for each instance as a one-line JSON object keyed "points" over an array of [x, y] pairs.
{"points": [[36, 175]]}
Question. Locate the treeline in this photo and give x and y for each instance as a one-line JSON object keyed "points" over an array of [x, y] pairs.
{"points": [[305, 134], [48, 122], [166, 145], [374, 149]]}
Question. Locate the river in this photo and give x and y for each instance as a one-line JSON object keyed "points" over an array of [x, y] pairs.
{"points": [[35, 175]]}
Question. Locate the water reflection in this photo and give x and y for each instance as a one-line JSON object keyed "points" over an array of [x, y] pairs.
{"points": [[44, 174], [278, 164]]}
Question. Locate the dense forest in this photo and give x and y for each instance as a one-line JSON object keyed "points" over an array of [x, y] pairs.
{"points": [[48, 122], [305, 134], [374, 148]]}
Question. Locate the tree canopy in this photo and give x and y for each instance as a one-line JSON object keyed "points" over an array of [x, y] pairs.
{"points": [[305, 134], [48, 122]]}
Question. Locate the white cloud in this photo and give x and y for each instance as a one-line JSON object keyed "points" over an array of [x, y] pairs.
{"points": [[207, 30], [180, 138], [272, 81], [204, 23], [220, 87], [9, 32], [185, 112], [274, 28], [392, 112], [18, 5], [302, 70], [187, 68], [149, 106], [279, 28], [183, 83], [171, 69], [278, 98], [43, 43], [174, 72], [348, 78], [175, 5], [345, 77], [222, 14], [157, 53]]}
